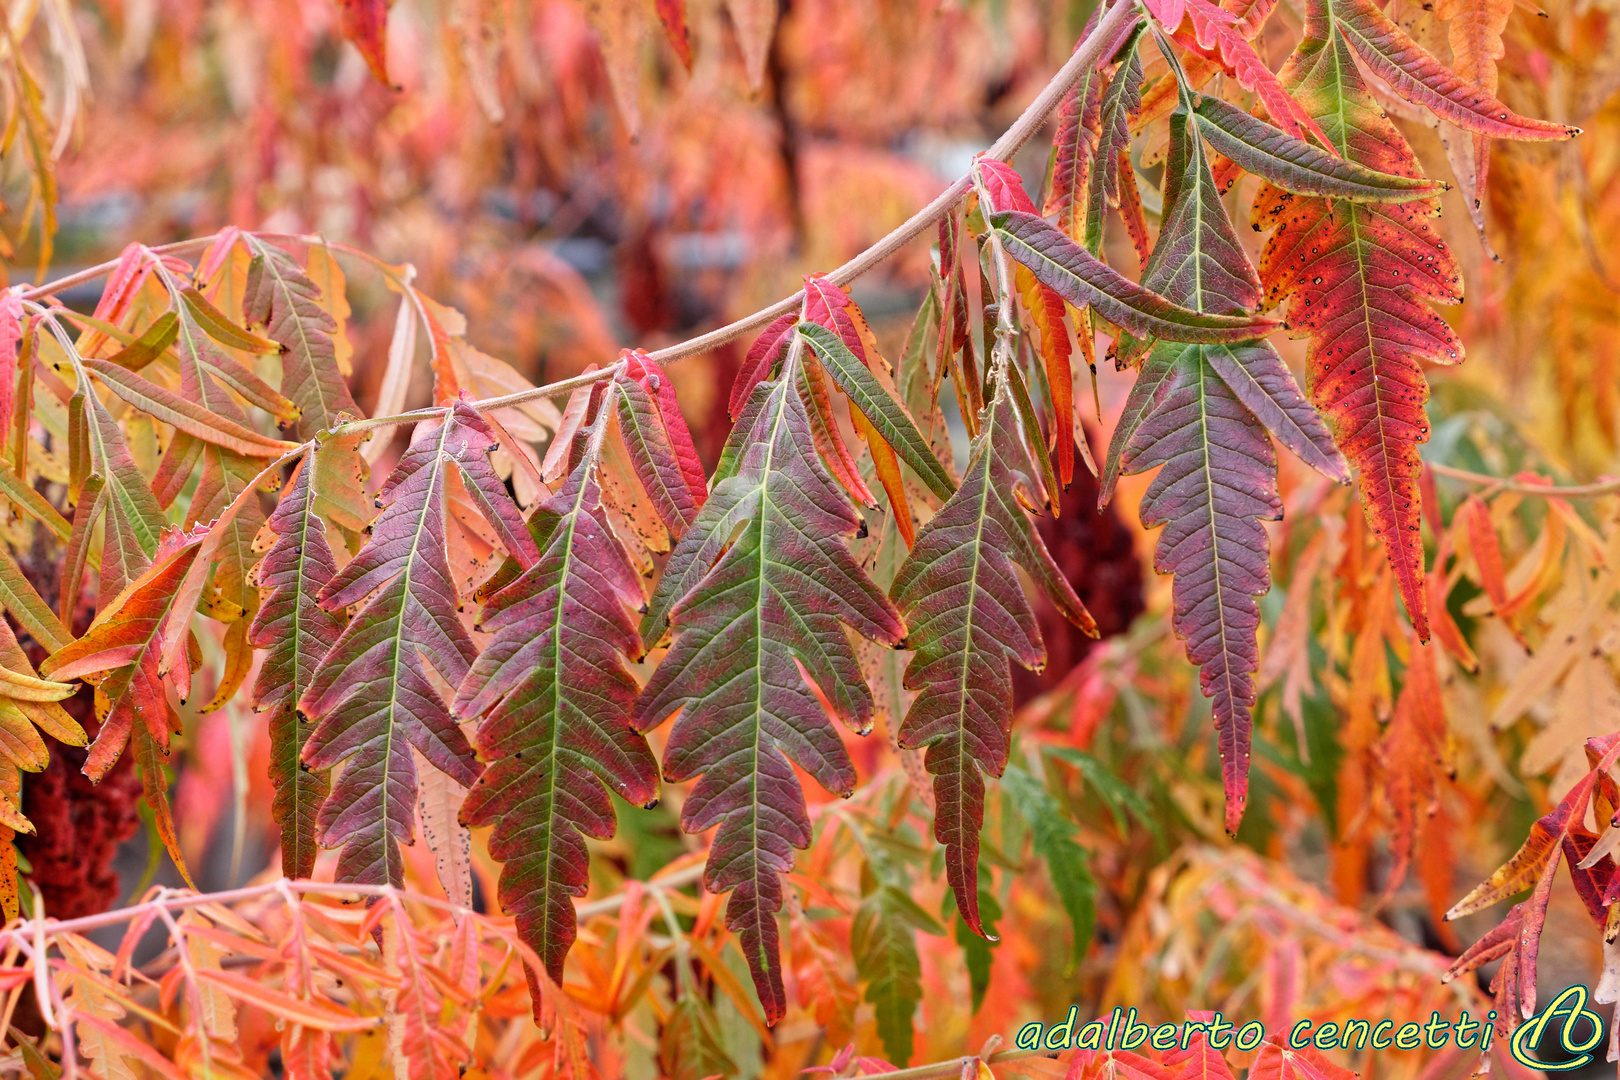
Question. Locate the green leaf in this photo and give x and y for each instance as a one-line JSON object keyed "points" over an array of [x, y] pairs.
{"points": [[1067, 863], [217, 326], [883, 940], [884, 413], [1293, 165], [690, 1047], [161, 403], [150, 345], [1114, 792], [758, 594], [1082, 279]]}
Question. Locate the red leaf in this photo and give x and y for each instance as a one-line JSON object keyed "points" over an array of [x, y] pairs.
{"points": [[672, 13], [1355, 276], [763, 356], [365, 22]]}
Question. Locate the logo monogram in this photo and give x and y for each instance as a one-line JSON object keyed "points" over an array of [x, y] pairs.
{"points": [[1571, 1005]]}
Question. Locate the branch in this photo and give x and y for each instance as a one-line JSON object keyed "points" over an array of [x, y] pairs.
{"points": [[505, 401], [1086, 55], [955, 1066], [1494, 484]]}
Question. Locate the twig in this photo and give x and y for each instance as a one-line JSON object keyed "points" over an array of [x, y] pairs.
{"points": [[953, 1067], [1086, 55], [505, 401], [1610, 486]]}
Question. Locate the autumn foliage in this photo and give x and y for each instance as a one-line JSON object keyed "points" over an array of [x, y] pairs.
{"points": [[460, 621]]}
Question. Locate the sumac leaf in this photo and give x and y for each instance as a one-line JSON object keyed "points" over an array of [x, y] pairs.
{"points": [[371, 697], [758, 594], [969, 618], [1081, 279], [295, 633], [554, 696], [1294, 165]]}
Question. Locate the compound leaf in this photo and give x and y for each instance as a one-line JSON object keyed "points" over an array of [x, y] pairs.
{"points": [[371, 697], [758, 594], [968, 618], [554, 697]]}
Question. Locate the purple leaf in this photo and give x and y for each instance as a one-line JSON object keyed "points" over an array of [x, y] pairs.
{"points": [[372, 697], [758, 595], [295, 632], [969, 618]]}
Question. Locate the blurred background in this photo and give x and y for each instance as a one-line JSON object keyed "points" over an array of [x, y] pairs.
{"points": [[575, 179]]}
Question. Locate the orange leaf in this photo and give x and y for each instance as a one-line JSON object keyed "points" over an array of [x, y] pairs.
{"points": [[365, 22]]}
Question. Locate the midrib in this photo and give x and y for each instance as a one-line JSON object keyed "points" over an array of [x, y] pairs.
{"points": [[399, 635], [546, 846], [759, 606]]}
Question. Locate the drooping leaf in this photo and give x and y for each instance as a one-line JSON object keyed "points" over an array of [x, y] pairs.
{"points": [[1221, 35], [690, 1046], [554, 698], [758, 594], [955, 351], [283, 299], [1218, 483], [371, 698], [1121, 98], [1081, 279], [1218, 480], [863, 375], [11, 336], [224, 485], [645, 371], [1068, 864], [1355, 276], [1416, 75], [365, 22], [123, 644], [883, 942], [1074, 153], [1474, 29], [1294, 165], [978, 953], [969, 618], [1005, 191], [763, 355], [187, 416], [295, 633], [886, 415]]}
